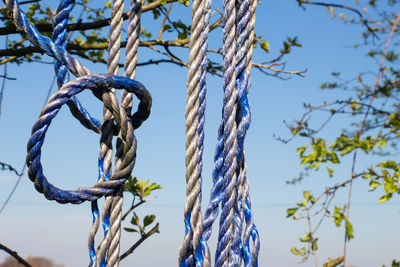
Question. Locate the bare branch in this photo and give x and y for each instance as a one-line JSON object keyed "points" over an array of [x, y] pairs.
{"points": [[270, 67], [363, 20], [8, 167], [154, 230], [164, 21], [15, 255]]}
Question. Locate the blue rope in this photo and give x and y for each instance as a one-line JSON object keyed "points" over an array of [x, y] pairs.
{"points": [[229, 132], [202, 107], [240, 248], [95, 83], [243, 119], [59, 53]]}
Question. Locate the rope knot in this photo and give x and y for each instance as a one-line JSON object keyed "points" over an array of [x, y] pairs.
{"points": [[126, 125]]}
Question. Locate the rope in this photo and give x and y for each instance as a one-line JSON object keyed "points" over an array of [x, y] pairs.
{"points": [[190, 253], [112, 209], [230, 181], [250, 252], [202, 106], [97, 82], [229, 132], [106, 149], [243, 119]]}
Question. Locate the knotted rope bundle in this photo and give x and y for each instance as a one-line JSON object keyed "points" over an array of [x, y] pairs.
{"points": [[230, 182], [117, 118]]}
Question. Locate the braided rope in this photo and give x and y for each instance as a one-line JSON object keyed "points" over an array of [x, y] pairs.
{"points": [[192, 212]]}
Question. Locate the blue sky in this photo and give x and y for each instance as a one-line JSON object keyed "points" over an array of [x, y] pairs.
{"points": [[34, 226]]}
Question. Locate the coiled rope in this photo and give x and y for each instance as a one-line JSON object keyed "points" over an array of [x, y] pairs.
{"points": [[117, 118]]}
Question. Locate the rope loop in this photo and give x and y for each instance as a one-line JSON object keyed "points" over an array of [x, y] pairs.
{"points": [[99, 83]]}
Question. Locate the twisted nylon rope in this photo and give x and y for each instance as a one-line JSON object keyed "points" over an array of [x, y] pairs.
{"points": [[109, 217], [113, 204], [51, 109], [127, 124], [243, 119], [190, 253], [250, 252], [59, 38], [202, 106], [239, 247], [229, 132]]}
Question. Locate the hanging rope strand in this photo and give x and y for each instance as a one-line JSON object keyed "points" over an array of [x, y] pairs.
{"points": [[131, 48], [110, 222], [192, 211], [230, 145], [202, 108], [250, 251], [126, 102], [243, 16]]}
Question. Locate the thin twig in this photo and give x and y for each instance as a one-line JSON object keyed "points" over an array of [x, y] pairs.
{"points": [[15, 255], [135, 206], [363, 20], [14, 187], [262, 66], [3, 85], [164, 21], [8, 167], [154, 230]]}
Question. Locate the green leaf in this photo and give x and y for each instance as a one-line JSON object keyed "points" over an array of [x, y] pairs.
{"points": [[373, 185], [306, 238], [349, 230], [301, 252], [338, 216], [185, 2], [265, 45], [314, 245], [290, 212], [390, 164], [385, 198], [148, 220], [130, 229], [307, 196], [330, 171], [135, 219]]}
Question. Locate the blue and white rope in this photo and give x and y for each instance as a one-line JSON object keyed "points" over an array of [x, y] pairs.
{"points": [[191, 252]]}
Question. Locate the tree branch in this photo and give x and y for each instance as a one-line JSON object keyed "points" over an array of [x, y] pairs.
{"points": [[135, 206], [154, 230], [15, 255], [8, 167], [48, 27], [363, 20], [277, 71], [164, 21]]}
